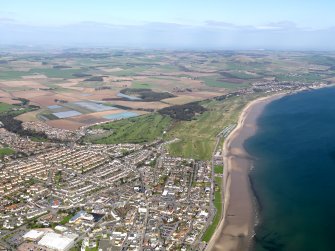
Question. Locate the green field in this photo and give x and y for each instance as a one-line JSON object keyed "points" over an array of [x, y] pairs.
{"points": [[49, 72], [6, 151], [142, 129], [308, 77], [92, 249], [239, 66], [15, 113], [5, 107], [218, 169], [321, 59], [131, 71], [66, 219], [218, 205], [55, 73], [12, 75], [140, 85], [214, 82], [197, 137], [242, 75]]}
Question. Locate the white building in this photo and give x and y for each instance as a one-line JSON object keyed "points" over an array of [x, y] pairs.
{"points": [[33, 235], [56, 242]]}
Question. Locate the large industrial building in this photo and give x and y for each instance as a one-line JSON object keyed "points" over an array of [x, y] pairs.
{"points": [[56, 242]]}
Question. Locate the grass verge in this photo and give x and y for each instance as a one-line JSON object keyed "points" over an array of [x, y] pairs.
{"points": [[218, 205], [6, 151], [218, 169]]}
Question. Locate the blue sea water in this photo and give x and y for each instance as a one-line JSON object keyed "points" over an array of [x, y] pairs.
{"points": [[294, 174]]}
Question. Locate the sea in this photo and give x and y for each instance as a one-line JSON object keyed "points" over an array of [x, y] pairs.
{"points": [[294, 173]]}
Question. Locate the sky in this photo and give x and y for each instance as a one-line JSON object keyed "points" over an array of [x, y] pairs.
{"points": [[217, 24]]}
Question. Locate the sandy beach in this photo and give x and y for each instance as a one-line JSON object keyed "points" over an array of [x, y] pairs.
{"points": [[237, 225]]}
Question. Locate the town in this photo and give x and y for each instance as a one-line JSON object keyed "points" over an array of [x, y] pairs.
{"points": [[127, 196]]}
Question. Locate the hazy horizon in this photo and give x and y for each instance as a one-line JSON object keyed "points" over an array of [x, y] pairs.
{"points": [[286, 25]]}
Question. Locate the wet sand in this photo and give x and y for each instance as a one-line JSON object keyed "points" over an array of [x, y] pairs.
{"points": [[237, 225]]}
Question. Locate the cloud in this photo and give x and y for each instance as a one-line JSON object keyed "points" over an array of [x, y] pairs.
{"points": [[7, 20], [220, 24], [227, 26], [284, 25], [210, 35]]}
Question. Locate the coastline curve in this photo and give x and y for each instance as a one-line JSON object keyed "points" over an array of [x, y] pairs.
{"points": [[236, 227]]}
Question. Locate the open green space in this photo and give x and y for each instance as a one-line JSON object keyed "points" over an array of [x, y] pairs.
{"points": [[5, 107], [307, 77], [38, 139], [320, 59], [131, 71], [12, 75], [214, 82], [142, 129], [197, 137], [55, 73], [49, 72], [241, 75], [201, 184], [92, 249], [218, 169], [66, 219], [18, 112], [239, 66], [168, 68], [6, 151], [218, 205], [139, 85]]}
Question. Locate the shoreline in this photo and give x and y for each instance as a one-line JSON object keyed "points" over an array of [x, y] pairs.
{"points": [[236, 228]]}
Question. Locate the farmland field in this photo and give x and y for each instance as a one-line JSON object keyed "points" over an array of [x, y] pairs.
{"points": [[5, 107], [214, 82], [92, 81]]}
